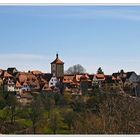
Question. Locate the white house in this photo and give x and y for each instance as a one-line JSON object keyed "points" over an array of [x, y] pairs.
{"points": [[95, 80], [132, 77], [25, 87], [9, 85], [53, 81], [18, 87]]}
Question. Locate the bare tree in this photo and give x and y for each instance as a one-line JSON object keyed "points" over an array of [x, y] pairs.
{"points": [[54, 122], [69, 117], [12, 104], [34, 113], [4, 114], [76, 69], [48, 102]]}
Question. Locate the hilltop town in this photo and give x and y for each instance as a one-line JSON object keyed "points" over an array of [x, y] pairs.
{"points": [[25, 83], [69, 103]]}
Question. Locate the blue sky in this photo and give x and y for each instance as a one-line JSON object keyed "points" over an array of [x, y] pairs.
{"points": [[93, 36]]}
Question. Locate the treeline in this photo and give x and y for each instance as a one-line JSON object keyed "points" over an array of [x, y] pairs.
{"points": [[53, 113]]}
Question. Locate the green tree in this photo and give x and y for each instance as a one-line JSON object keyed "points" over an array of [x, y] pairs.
{"points": [[100, 71]]}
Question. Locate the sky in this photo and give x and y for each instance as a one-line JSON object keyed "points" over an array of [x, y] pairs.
{"points": [[93, 36]]}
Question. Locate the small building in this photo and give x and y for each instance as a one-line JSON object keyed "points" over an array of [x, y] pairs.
{"points": [[46, 77], [34, 85], [131, 77], [18, 87], [12, 71], [9, 85], [68, 80], [53, 81], [46, 87], [85, 83], [25, 88], [76, 80], [98, 79], [7, 75], [126, 77]]}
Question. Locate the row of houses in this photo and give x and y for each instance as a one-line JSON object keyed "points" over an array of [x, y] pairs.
{"points": [[26, 81], [24, 84], [36, 81]]}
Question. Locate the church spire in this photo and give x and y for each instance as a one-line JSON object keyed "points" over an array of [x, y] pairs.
{"points": [[57, 55]]}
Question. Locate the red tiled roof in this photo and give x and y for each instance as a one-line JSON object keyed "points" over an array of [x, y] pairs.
{"points": [[77, 77], [113, 78], [36, 72], [30, 76], [57, 60], [18, 85], [100, 76], [22, 77], [25, 84], [67, 81], [68, 78], [6, 74], [46, 87], [84, 77]]}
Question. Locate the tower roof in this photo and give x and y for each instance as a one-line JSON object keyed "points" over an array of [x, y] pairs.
{"points": [[57, 60], [18, 85]]}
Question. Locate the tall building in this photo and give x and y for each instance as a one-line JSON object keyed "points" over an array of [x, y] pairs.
{"points": [[57, 67]]}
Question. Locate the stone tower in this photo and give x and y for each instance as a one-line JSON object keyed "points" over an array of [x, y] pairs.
{"points": [[57, 67]]}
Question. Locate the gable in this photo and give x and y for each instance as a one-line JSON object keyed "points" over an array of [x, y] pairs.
{"points": [[133, 77]]}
